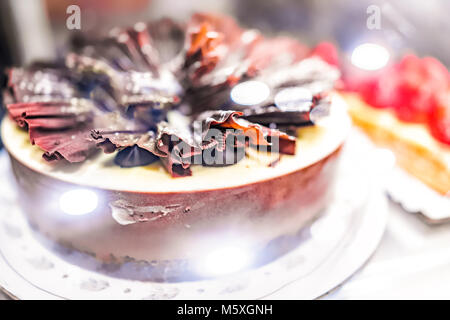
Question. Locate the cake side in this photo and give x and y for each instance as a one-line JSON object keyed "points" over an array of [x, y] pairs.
{"points": [[171, 226], [253, 204]]}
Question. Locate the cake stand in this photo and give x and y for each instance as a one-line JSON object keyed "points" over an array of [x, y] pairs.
{"points": [[332, 248]]}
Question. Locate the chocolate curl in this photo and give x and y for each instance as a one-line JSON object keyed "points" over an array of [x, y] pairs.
{"points": [[227, 119], [150, 45], [227, 147], [274, 53], [116, 131], [161, 41], [300, 112], [214, 61], [32, 85], [142, 89], [131, 88], [169, 152], [257, 134], [87, 64], [60, 128], [145, 47], [215, 42], [208, 31], [134, 157], [227, 26], [178, 150], [51, 115], [176, 170], [110, 141], [203, 42], [74, 145], [175, 151], [128, 40], [298, 94], [278, 140]]}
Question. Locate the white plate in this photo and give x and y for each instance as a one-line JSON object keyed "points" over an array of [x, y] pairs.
{"points": [[335, 246]]}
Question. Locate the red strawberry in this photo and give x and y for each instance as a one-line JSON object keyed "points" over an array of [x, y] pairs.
{"points": [[439, 120], [419, 81], [379, 89], [327, 52], [409, 87]]}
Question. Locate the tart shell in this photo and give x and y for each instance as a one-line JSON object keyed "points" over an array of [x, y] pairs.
{"points": [[415, 149]]}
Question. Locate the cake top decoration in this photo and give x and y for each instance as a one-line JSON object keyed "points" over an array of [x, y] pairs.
{"points": [[196, 93]]}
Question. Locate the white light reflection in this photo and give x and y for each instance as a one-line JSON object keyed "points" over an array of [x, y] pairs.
{"points": [[250, 92], [370, 56], [294, 99], [225, 260], [78, 202]]}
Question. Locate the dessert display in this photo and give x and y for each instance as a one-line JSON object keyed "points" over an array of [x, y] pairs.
{"points": [[406, 108], [164, 141]]}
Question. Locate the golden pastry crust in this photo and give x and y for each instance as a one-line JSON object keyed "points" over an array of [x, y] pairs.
{"points": [[415, 149]]}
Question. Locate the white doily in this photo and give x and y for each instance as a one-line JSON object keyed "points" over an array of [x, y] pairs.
{"points": [[416, 197]]}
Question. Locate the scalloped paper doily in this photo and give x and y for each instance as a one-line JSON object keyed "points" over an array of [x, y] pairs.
{"points": [[416, 197]]}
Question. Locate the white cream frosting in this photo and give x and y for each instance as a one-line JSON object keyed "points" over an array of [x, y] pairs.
{"points": [[313, 144]]}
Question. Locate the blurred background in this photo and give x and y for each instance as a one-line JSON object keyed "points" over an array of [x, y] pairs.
{"points": [[32, 29]]}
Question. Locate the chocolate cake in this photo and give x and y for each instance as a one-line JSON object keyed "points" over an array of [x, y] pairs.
{"points": [[164, 141]]}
